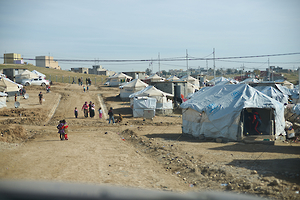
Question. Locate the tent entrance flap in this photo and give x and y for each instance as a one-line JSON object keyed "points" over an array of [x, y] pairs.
{"points": [[258, 121]]}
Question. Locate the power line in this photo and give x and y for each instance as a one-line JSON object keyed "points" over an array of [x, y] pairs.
{"points": [[166, 59]]}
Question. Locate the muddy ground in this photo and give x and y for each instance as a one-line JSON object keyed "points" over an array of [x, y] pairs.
{"points": [[151, 154]]}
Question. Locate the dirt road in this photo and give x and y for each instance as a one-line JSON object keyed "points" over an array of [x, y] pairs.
{"points": [[135, 153]]}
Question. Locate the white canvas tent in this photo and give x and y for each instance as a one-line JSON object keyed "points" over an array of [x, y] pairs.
{"points": [[173, 78], [218, 112], [118, 79], [155, 78], [25, 75], [131, 87], [190, 80], [40, 75], [161, 97], [142, 104], [8, 86], [250, 80], [216, 80], [3, 97]]}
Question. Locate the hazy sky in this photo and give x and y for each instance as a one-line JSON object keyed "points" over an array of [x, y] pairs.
{"points": [[140, 29]]}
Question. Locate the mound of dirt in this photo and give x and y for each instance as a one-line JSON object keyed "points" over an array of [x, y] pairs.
{"points": [[13, 134], [23, 116]]}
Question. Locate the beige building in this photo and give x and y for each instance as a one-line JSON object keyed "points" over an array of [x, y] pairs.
{"points": [[12, 58], [46, 61]]}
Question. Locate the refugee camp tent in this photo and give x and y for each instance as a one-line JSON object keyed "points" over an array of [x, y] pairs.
{"points": [[155, 78], [220, 112], [163, 104], [39, 74], [190, 79], [9, 87], [118, 79], [216, 80], [142, 105], [191, 89], [273, 93], [172, 78], [3, 97], [250, 80], [25, 75], [131, 87]]}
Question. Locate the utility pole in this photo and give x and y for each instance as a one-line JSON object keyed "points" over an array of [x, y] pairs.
{"points": [[159, 64], [269, 69], [187, 62], [214, 66]]}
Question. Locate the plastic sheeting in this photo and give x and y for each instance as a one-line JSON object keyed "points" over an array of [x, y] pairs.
{"points": [[273, 93], [216, 112], [142, 103], [296, 109]]}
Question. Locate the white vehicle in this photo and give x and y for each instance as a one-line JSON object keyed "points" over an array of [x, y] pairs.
{"points": [[35, 81]]}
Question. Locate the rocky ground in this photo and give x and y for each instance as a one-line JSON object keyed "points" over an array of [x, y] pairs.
{"points": [[150, 154]]}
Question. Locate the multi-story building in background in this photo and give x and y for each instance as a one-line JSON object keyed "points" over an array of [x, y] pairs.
{"points": [[13, 58], [46, 61]]}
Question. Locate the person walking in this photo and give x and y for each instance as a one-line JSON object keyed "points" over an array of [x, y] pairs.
{"points": [[85, 109], [111, 116], [62, 130], [92, 112], [76, 112], [256, 121], [83, 88], [40, 97], [90, 108], [100, 113]]}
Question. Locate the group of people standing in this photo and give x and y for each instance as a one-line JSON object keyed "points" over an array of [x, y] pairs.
{"points": [[88, 109]]}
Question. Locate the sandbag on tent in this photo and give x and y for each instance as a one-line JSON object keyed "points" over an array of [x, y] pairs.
{"points": [[3, 97], [216, 112], [131, 87]]}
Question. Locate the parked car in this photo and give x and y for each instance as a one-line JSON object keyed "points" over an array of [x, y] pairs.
{"points": [[35, 81]]}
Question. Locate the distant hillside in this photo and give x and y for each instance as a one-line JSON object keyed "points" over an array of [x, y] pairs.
{"points": [[55, 74]]}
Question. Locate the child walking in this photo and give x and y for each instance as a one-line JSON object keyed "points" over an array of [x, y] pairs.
{"points": [[62, 130], [76, 112], [100, 113]]}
